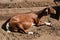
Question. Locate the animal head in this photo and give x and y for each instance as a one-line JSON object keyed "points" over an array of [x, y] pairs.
{"points": [[50, 10]]}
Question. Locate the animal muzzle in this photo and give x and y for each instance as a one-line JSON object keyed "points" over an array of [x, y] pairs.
{"points": [[54, 11]]}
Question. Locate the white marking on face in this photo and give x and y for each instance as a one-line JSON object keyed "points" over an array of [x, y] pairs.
{"points": [[47, 10]]}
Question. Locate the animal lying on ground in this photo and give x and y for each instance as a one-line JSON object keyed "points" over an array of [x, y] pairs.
{"points": [[21, 22]]}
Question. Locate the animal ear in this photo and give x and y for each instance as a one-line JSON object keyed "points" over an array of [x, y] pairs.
{"points": [[53, 10]]}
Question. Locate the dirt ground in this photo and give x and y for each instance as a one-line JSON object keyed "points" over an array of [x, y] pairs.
{"points": [[27, 3], [40, 33]]}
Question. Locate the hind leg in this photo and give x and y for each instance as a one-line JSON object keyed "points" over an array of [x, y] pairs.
{"points": [[14, 29], [21, 28]]}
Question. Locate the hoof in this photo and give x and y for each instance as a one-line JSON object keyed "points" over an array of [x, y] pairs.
{"points": [[30, 33], [8, 31], [47, 23]]}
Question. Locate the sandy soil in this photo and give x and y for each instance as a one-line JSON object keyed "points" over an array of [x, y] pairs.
{"points": [[26, 3], [40, 33]]}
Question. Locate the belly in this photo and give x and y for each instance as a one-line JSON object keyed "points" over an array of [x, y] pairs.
{"points": [[26, 25]]}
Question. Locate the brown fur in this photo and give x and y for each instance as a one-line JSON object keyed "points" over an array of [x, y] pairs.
{"points": [[22, 21]]}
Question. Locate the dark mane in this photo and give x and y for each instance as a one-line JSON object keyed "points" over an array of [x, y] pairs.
{"points": [[42, 13]]}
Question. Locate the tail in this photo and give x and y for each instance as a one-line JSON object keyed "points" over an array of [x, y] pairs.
{"points": [[4, 26]]}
